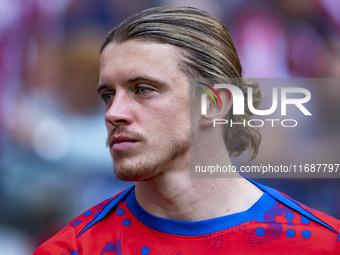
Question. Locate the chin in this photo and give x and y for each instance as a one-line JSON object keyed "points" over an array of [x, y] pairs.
{"points": [[135, 174]]}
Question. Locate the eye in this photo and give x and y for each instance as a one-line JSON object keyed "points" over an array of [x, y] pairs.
{"points": [[107, 98], [143, 90]]}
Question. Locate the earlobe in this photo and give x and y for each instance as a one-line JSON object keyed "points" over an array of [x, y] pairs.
{"points": [[217, 108]]}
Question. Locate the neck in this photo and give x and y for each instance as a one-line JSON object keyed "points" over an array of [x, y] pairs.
{"points": [[174, 195]]}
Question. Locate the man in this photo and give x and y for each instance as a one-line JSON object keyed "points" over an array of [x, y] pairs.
{"points": [[148, 72]]}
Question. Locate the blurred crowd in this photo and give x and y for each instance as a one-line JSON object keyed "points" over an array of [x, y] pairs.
{"points": [[53, 160]]}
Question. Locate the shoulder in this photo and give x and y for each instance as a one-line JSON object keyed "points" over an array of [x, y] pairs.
{"points": [[312, 214], [65, 241], [298, 224], [80, 222], [320, 229], [320, 217], [98, 212], [303, 215]]}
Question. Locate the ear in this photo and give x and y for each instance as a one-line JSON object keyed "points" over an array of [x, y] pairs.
{"points": [[217, 109]]}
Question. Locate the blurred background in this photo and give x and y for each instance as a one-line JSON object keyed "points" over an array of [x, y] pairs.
{"points": [[53, 160]]}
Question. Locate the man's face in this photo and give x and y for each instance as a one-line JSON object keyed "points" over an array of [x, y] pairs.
{"points": [[147, 107]]}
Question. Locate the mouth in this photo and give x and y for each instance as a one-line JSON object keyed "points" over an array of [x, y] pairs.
{"points": [[121, 143]]}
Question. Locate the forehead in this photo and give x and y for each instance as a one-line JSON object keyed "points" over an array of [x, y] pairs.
{"points": [[137, 58]]}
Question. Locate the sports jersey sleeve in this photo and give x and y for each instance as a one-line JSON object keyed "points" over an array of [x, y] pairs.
{"points": [[64, 242]]}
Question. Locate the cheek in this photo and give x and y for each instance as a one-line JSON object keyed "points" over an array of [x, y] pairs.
{"points": [[161, 122], [107, 126], [176, 121], [170, 117]]}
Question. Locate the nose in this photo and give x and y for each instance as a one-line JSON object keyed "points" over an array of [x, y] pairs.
{"points": [[119, 112]]}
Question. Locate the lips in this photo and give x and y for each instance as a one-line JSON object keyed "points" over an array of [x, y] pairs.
{"points": [[122, 142]]}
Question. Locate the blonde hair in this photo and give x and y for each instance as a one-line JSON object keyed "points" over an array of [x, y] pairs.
{"points": [[209, 53]]}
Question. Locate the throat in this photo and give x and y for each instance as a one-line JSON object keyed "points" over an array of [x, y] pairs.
{"points": [[196, 199]]}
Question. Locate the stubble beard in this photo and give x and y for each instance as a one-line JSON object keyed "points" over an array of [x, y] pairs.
{"points": [[150, 166]]}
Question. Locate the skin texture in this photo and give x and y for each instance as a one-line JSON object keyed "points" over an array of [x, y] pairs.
{"points": [[150, 134], [147, 100]]}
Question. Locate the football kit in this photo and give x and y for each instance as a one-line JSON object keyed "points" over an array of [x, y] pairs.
{"points": [[275, 224]]}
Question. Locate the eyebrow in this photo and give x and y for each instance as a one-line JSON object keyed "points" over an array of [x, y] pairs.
{"points": [[101, 87], [147, 79]]}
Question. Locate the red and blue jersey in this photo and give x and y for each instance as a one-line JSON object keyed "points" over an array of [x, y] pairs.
{"points": [[275, 224]]}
